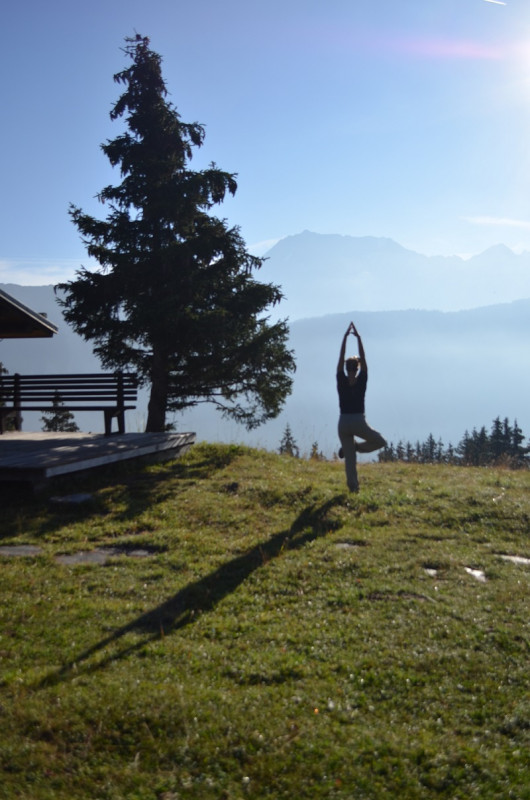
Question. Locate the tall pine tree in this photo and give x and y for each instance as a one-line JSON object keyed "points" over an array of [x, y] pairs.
{"points": [[175, 298]]}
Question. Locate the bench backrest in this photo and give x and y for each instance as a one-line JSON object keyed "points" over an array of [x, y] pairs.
{"points": [[116, 389]]}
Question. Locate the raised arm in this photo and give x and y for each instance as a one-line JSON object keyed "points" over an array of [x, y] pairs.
{"points": [[340, 365], [364, 365]]}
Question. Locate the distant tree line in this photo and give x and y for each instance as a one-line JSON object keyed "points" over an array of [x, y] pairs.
{"points": [[502, 445], [289, 447]]}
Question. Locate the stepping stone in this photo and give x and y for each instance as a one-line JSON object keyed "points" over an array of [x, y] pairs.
{"points": [[476, 573], [100, 555], [20, 550], [85, 557], [350, 545], [516, 559], [71, 499]]}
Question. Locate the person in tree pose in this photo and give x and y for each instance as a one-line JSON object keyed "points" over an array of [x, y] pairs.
{"points": [[351, 387]]}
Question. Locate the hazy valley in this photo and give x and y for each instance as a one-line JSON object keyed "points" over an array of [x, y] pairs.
{"points": [[431, 371]]}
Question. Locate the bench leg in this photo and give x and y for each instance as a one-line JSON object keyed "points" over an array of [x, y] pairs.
{"points": [[108, 421], [120, 416]]}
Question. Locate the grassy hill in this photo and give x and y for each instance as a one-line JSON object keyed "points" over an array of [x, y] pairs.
{"points": [[258, 632]]}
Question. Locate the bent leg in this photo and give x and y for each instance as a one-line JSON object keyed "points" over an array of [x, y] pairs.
{"points": [[372, 438]]}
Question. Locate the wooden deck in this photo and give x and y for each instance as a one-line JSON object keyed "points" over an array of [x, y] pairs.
{"points": [[36, 457]]}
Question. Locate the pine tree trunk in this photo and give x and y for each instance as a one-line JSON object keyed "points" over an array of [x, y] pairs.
{"points": [[156, 410]]}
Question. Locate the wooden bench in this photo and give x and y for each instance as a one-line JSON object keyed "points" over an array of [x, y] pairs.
{"points": [[111, 393]]}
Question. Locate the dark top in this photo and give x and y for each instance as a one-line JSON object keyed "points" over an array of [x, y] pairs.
{"points": [[351, 398]]}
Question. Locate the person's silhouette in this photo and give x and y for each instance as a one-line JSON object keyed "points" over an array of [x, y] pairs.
{"points": [[351, 386]]}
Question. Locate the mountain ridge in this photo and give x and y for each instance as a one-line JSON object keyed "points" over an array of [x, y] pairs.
{"points": [[327, 273]]}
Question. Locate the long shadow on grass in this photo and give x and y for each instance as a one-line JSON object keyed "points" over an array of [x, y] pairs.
{"points": [[203, 595]]}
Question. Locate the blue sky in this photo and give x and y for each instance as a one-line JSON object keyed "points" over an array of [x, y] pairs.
{"points": [[408, 120]]}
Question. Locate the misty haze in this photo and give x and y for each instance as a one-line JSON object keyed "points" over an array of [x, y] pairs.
{"points": [[431, 370]]}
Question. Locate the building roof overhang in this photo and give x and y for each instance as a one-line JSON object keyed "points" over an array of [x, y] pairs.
{"points": [[17, 321]]}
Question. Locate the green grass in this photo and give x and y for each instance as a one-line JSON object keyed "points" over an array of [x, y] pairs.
{"points": [[283, 638]]}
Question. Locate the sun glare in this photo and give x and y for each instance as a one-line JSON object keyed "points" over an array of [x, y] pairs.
{"points": [[520, 58]]}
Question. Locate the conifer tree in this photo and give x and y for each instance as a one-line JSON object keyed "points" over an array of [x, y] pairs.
{"points": [[507, 434], [58, 419], [517, 439], [498, 442], [316, 454], [288, 444], [9, 423], [175, 297]]}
